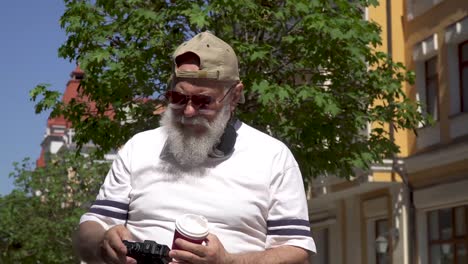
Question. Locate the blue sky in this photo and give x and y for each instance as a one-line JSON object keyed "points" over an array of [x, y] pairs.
{"points": [[30, 36]]}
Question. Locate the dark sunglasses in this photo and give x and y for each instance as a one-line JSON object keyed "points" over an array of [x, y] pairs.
{"points": [[199, 101]]}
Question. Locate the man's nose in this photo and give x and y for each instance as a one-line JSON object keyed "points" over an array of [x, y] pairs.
{"points": [[189, 110]]}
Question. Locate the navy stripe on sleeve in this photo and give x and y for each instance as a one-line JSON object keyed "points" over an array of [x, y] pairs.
{"points": [[289, 232], [288, 222], [110, 203], [104, 212]]}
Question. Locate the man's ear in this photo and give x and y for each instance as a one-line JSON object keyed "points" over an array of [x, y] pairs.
{"points": [[236, 95]]}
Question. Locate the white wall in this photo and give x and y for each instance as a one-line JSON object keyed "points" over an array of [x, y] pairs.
{"points": [[55, 146], [353, 230], [400, 218], [330, 217], [374, 210]]}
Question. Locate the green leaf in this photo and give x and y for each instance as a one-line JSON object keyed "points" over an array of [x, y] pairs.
{"points": [[40, 215], [258, 55]]}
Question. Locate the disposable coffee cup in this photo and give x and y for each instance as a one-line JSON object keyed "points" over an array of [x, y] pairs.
{"points": [[192, 228]]}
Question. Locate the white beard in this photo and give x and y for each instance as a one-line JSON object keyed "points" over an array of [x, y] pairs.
{"points": [[189, 149]]}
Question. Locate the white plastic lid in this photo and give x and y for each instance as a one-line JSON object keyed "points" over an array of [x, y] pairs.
{"points": [[193, 226]]}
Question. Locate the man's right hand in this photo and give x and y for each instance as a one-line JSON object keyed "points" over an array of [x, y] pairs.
{"points": [[113, 249]]}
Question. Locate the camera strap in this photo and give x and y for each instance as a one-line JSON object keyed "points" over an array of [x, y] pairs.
{"points": [[225, 147]]}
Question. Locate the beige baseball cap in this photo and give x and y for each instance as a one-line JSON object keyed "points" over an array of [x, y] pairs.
{"points": [[218, 61]]}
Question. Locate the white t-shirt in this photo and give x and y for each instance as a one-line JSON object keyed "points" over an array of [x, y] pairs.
{"points": [[253, 200]]}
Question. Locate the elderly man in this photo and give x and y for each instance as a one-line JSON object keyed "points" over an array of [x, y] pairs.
{"points": [[204, 161]]}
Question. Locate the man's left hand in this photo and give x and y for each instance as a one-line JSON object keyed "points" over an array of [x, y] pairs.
{"points": [[211, 253]]}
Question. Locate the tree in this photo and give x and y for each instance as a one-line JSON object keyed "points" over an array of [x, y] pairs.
{"points": [[38, 218], [312, 74]]}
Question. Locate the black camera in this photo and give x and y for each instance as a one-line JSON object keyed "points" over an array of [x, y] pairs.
{"points": [[148, 252]]}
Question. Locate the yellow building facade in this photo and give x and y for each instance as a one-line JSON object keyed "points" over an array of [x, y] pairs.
{"points": [[413, 208]]}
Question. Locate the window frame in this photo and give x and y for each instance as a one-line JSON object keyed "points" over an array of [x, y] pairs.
{"points": [[326, 242], [386, 234], [454, 240], [462, 65], [434, 77]]}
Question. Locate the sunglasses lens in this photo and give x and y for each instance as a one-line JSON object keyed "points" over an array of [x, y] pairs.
{"points": [[200, 100], [176, 97]]}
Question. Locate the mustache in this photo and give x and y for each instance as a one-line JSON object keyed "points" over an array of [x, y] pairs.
{"points": [[196, 120]]}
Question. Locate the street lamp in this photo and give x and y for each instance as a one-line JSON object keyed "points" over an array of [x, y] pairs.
{"points": [[381, 243]]}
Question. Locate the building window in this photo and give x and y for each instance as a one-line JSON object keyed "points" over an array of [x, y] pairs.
{"points": [[321, 238], [448, 238], [418, 7], [432, 88], [463, 62], [381, 232]]}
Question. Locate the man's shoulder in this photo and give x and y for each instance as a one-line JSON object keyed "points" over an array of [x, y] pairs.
{"points": [[255, 145], [151, 135], [256, 137], [148, 140]]}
